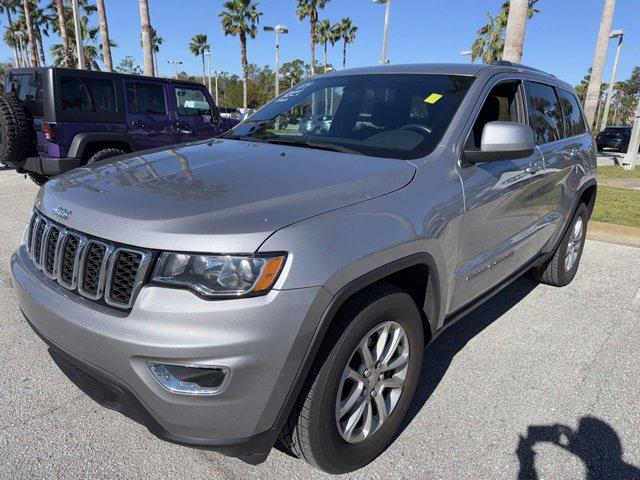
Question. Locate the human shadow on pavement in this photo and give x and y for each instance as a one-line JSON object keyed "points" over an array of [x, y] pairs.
{"points": [[594, 442], [440, 353]]}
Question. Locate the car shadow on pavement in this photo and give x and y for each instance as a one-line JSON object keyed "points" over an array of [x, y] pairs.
{"points": [[594, 442], [439, 354], [614, 155]]}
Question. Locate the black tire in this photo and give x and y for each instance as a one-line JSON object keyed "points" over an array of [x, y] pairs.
{"points": [[600, 148], [15, 132], [104, 154], [555, 272], [311, 432]]}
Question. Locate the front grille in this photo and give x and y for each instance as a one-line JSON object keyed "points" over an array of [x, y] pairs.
{"points": [[95, 269]]}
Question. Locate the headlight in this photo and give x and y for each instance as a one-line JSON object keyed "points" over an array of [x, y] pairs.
{"points": [[219, 275]]}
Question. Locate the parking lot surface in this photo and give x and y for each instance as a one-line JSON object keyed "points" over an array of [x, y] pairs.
{"points": [[539, 382]]}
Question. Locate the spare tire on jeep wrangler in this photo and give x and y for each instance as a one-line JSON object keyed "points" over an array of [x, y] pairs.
{"points": [[15, 134]]}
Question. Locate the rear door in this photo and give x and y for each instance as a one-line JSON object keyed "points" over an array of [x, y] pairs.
{"points": [[196, 115], [505, 223], [149, 121]]}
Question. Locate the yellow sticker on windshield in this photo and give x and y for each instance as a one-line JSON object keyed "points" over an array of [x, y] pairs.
{"points": [[433, 98]]}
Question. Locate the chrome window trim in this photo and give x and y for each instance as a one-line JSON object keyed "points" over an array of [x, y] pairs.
{"points": [[101, 274], [145, 261]]}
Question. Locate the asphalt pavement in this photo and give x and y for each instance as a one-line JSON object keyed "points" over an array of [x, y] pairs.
{"points": [[540, 382]]}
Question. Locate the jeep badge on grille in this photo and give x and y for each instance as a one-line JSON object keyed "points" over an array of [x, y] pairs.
{"points": [[61, 212]]}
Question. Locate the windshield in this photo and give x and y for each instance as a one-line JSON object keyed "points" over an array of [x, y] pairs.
{"points": [[383, 115]]}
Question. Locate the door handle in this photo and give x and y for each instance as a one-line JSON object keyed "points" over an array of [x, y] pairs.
{"points": [[138, 124]]}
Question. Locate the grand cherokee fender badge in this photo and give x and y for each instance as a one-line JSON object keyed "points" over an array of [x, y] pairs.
{"points": [[488, 267], [61, 212]]}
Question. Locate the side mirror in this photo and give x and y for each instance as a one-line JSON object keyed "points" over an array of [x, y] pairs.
{"points": [[503, 141]]}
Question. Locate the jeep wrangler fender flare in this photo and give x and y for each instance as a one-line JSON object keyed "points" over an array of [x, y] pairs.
{"points": [[81, 140]]}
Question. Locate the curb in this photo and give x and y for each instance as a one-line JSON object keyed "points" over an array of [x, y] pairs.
{"points": [[611, 233]]}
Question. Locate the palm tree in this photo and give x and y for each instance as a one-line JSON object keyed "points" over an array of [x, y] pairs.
{"points": [[347, 32], [198, 47], [309, 8], [156, 41], [489, 44], [325, 33], [33, 54], [145, 23], [104, 35], [66, 54], [239, 19], [9, 7], [599, 57], [516, 26]]}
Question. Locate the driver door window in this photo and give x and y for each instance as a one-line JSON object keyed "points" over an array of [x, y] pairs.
{"points": [[502, 104]]}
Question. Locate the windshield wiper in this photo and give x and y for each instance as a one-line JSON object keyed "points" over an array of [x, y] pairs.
{"points": [[311, 144]]}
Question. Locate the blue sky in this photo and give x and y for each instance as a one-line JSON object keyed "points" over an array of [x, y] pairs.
{"points": [[559, 40]]}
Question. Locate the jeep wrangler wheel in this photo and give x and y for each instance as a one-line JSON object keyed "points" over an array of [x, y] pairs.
{"points": [[560, 270], [15, 136], [104, 154], [361, 384]]}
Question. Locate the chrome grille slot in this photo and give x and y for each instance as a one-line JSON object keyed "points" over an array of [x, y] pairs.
{"points": [[50, 246], [92, 268]]}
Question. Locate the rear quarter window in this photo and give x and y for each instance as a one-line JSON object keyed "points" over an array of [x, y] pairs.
{"points": [[28, 89], [88, 95]]}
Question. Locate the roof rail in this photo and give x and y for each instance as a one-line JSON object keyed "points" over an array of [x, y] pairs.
{"points": [[504, 63]]}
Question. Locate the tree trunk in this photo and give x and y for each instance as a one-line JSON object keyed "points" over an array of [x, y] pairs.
{"points": [[146, 38], [155, 62], [21, 52], [516, 26], [313, 48], [325, 57], [67, 57], [243, 52], [344, 53], [204, 71], [43, 57], [15, 46], [599, 58], [104, 36], [33, 54]]}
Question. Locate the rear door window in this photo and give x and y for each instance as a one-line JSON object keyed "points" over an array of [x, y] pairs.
{"points": [[545, 114], [192, 101], [146, 98], [573, 119], [87, 95]]}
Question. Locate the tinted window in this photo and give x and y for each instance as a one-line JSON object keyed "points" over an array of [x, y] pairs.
{"points": [[146, 98], [626, 131], [192, 101], [573, 121], [28, 88], [87, 95], [396, 116], [545, 114]]}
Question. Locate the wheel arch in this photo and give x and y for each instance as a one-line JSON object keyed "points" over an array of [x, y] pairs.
{"points": [[417, 274], [83, 143]]}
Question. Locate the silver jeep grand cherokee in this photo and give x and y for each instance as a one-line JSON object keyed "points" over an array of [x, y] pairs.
{"points": [[282, 281]]}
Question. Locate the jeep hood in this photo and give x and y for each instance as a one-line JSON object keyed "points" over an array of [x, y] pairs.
{"points": [[216, 196]]}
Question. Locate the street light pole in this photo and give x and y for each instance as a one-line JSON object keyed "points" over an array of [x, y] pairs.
{"points": [[385, 35], [620, 35], [209, 54], [278, 29], [217, 102], [175, 63], [78, 30]]}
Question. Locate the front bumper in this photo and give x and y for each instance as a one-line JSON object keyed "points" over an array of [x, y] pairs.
{"points": [[262, 340], [49, 166]]}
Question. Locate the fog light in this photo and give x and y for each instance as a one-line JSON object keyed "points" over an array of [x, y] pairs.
{"points": [[190, 379]]}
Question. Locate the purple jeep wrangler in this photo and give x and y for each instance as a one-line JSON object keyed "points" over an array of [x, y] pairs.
{"points": [[55, 119]]}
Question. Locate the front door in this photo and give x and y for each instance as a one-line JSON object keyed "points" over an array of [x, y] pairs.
{"points": [[196, 117], [149, 121], [505, 224]]}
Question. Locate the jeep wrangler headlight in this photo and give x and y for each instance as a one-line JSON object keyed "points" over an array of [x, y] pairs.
{"points": [[219, 275]]}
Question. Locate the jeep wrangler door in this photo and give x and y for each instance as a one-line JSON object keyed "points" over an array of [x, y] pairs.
{"points": [[196, 116], [149, 121], [504, 225]]}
